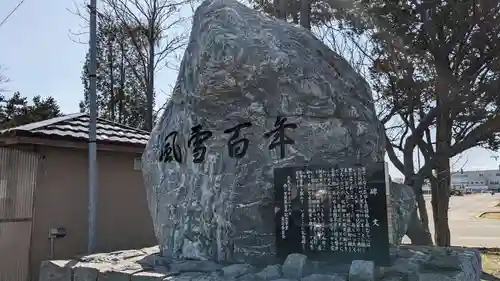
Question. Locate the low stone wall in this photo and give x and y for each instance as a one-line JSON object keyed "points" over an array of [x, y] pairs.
{"points": [[412, 263]]}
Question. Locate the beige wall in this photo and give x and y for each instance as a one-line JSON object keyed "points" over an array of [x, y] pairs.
{"points": [[61, 198]]}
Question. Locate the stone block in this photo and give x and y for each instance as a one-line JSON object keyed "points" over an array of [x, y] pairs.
{"points": [[470, 265], [251, 277], [433, 277], [124, 255], [147, 276], [195, 266], [295, 266], [85, 272], [460, 264], [237, 270], [361, 270], [432, 263], [271, 272], [56, 270], [322, 277], [119, 272]]}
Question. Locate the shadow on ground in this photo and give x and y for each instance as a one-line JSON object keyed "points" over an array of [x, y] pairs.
{"points": [[488, 277]]}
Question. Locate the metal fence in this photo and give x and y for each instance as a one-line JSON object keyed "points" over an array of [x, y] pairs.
{"points": [[18, 171]]}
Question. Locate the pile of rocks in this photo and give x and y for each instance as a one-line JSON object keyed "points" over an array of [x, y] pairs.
{"points": [[410, 263]]}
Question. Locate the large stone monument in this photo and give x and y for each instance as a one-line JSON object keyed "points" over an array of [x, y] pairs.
{"points": [[253, 94], [269, 134]]}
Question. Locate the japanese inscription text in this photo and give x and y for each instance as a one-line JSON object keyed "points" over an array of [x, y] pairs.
{"points": [[237, 144], [334, 210]]}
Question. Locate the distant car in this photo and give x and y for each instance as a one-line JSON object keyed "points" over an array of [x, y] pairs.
{"points": [[456, 193]]}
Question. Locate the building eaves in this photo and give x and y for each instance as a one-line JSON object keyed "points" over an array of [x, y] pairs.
{"points": [[75, 126]]}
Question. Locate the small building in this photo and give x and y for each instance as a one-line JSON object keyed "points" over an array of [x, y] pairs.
{"points": [[44, 188]]}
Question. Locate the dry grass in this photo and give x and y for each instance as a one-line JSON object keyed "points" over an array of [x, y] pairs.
{"points": [[491, 264], [490, 215]]}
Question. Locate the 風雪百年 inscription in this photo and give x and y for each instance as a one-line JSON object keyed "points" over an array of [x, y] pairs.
{"points": [[237, 144]]}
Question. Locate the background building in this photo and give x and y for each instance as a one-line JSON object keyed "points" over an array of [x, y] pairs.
{"points": [[476, 180]]}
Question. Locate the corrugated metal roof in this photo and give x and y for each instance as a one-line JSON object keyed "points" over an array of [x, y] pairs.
{"points": [[76, 126]]}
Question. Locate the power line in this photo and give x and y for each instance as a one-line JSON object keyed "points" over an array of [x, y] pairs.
{"points": [[11, 13]]}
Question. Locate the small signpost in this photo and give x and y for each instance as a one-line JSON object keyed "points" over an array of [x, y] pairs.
{"points": [[337, 213]]}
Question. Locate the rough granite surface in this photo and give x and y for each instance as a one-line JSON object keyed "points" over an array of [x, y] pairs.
{"points": [[242, 66], [403, 202], [361, 270], [410, 263]]}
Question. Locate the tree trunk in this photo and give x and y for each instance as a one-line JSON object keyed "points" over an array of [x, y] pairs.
{"points": [[440, 201], [441, 194], [417, 233], [434, 201], [422, 212], [305, 14], [441, 190], [418, 229], [422, 207]]}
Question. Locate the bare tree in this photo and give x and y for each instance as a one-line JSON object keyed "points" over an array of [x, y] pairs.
{"points": [[156, 32], [353, 47], [358, 48], [442, 80], [121, 95], [151, 25], [436, 78]]}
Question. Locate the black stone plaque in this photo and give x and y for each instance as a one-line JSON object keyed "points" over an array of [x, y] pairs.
{"points": [[336, 213]]}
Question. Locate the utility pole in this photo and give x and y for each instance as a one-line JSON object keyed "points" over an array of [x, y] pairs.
{"points": [[92, 174]]}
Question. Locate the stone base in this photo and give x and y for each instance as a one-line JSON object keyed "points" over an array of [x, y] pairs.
{"points": [[410, 263]]}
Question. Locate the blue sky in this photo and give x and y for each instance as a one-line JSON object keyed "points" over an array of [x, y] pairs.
{"points": [[40, 55], [41, 58]]}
